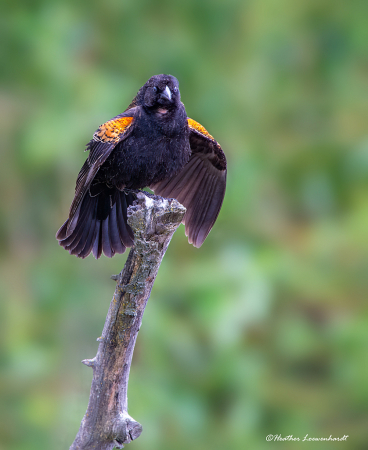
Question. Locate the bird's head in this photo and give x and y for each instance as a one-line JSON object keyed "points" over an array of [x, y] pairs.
{"points": [[161, 94]]}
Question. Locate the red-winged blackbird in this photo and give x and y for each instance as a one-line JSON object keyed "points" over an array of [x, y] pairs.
{"points": [[153, 143]]}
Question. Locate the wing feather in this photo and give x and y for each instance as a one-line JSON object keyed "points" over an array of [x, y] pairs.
{"points": [[104, 140], [200, 185]]}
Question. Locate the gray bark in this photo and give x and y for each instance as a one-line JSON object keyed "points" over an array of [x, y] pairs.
{"points": [[107, 423]]}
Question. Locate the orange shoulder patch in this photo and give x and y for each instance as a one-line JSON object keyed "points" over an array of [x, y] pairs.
{"points": [[198, 127], [113, 129]]}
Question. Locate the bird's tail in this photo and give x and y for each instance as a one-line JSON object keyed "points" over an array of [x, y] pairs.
{"points": [[99, 224]]}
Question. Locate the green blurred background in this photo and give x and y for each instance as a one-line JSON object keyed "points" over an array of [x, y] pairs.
{"points": [[264, 330]]}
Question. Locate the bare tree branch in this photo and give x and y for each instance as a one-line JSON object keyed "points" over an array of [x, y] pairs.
{"points": [[107, 423]]}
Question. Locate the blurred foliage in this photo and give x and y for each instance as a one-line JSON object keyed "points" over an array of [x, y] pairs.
{"points": [[264, 330]]}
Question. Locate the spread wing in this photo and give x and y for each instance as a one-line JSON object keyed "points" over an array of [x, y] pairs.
{"points": [[104, 140], [200, 185]]}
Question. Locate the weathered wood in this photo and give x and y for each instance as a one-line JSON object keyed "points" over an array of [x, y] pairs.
{"points": [[107, 423]]}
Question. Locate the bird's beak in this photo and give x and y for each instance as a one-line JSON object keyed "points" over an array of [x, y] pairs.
{"points": [[166, 93]]}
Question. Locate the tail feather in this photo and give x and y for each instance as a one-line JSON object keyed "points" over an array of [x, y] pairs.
{"points": [[78, 247], [115, 239], [125, 232], [99, 225], [73, 239], [89, 241], [105, 238], [97, 245]]}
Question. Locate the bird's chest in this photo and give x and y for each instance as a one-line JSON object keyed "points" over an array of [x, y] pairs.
{"points": [[150, 155]]}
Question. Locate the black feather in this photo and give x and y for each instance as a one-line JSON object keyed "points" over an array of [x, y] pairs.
{"points": [[154, 144]]}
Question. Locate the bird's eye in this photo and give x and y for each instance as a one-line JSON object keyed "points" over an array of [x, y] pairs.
{"points": [[175, 89], [155, 89]]}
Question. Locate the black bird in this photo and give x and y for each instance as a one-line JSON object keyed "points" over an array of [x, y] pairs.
{"points": [[153, 143]]}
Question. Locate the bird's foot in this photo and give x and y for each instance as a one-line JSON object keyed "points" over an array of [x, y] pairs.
{"points": [[137, 191], [131, 191]]}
